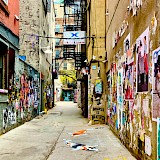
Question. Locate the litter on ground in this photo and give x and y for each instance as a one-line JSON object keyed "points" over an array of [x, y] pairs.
{"points": [[79, 146]]}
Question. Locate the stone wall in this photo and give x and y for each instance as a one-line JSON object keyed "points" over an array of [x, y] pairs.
{"points": [[29, 28]]}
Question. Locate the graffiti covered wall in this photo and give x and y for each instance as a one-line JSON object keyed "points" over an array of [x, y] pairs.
{"points": [[23, 96]]}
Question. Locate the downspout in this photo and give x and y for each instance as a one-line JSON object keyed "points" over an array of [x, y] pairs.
{"points": [[7, 66], [39, 53]]}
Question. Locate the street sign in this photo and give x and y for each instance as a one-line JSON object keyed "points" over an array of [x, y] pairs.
{"points": [[74, 37]]}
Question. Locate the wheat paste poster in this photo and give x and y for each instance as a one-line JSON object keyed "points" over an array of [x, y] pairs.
{"points": [[142, 52], [158, 138], [120, 97], [128, 50], [156, 83]]}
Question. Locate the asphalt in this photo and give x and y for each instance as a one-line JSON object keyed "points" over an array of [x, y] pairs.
{"points": [[44, 138]]}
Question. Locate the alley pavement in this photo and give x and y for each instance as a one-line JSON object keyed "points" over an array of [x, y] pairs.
{"points": [[45, 137]]}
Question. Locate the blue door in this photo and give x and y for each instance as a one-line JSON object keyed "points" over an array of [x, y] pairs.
{"points": [[67, 96]]}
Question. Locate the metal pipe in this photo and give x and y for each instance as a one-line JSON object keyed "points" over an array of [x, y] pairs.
{"points": [[52, 77]]}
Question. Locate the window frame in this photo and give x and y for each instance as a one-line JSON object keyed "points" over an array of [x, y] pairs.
{"points": [[6, 2], [65, 66]]}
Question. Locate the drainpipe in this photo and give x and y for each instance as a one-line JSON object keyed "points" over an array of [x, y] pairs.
{"points": [[7, 65]]}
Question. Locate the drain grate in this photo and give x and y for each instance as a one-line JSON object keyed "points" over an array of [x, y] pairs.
{"points": [[56, 113]]}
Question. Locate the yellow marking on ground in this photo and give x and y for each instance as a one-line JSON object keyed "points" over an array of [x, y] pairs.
{"points": [[117, 158]]}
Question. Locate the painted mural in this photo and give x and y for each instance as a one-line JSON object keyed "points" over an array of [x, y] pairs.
{"points": [[23, 95]]}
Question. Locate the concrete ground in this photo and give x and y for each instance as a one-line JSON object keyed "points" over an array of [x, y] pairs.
{"points": [[43, 138]]}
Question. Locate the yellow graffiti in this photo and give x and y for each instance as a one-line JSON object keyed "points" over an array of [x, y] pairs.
{"points": [[116, 158]]}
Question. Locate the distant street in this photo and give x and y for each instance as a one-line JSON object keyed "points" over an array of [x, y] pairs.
{"points": [[45, 137]]}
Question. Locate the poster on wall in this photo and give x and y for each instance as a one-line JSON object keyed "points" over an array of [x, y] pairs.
{"points": [[148, 148], [131, 108], [120, 87], [119, 97], [156, 84], [134, 5], [129, 81], [127, 44], [158, 138], [142, 61], [98, 86], [128, 50]]}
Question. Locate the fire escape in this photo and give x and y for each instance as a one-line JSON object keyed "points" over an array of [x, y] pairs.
{"points": [[74, 11]]}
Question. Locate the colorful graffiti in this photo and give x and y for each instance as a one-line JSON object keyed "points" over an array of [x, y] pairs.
{"points": [[23, 96]]}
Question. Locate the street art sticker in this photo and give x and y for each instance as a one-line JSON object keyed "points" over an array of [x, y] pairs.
{"points": [[156, 84], [134, 5], [142, 61]]}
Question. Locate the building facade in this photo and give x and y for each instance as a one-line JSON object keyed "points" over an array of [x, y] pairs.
{"points": [[9, 46], [96, 60], [37, 20], [131, 71], [26, 66]]}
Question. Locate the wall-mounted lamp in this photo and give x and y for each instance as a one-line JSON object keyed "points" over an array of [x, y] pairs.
{"points": [[86, 61], [104, 61], [16, 17], [48, 50], [107, 13]]}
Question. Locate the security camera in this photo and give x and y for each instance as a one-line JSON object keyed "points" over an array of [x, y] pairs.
{"points": [[16, 17]]}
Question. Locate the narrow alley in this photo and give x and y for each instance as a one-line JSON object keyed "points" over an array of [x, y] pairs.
{"points": [[44, 138]]}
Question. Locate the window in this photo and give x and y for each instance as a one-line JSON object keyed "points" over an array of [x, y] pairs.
{"points": [[4, 6], [73, 64], [56, 12], [57, 53], [5, 1], [57, 29], [64, 66], [57, 66], [57, 42]]}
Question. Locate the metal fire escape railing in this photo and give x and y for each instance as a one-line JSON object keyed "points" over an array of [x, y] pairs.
{"points": [[74, 11]]}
